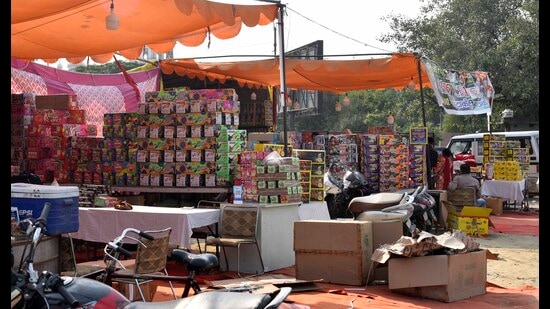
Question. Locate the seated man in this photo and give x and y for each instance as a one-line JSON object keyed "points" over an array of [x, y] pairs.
{"points": [[465, 179]]}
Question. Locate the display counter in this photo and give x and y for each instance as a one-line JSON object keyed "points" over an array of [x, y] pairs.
{"points": [[46, 257], [145, 189]]}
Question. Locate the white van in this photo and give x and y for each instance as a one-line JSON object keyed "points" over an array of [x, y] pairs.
{"points": [[473, 144]]}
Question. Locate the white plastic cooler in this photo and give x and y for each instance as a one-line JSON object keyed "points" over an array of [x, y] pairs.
{"points": [[29, 199]]}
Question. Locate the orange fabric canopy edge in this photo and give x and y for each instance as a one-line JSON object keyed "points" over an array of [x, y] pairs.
{"points": [[75, 29], [337, 76]]}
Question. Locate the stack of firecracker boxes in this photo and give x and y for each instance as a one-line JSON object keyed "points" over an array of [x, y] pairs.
{"points": [[57, 140], [22, 107], [172, 141], [267, 180], [312, 170], [390, 163], [510, 161]]}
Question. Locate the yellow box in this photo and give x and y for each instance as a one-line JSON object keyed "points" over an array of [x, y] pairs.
{"points": [[273, 147], [472, 220]]}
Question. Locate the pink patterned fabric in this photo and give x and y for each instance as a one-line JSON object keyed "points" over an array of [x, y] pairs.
{"points": [[97, 94]]}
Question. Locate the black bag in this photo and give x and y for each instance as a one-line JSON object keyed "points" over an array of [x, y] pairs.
{"points": [[26, 178]]}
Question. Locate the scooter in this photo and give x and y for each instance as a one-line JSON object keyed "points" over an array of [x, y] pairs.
{"points": [[387, 206], [339, 192], [31, 289]]}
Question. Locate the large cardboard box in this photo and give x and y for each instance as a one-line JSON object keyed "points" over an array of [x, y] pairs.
{"points": [[446, 278], [470, 219], [333, 250], [387, 232], [56, 101], [131, 292], [496, 204]]}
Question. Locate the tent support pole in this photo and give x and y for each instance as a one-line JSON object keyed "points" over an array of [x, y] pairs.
{"points": [[418, 59], [282, 72]]}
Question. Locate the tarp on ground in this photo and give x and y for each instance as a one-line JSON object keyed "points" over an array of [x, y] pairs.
{"points": [[74, 29], [97, 94]]}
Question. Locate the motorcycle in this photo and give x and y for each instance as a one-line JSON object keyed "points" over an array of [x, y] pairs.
{"points": [[387, 206], [339, 192], [424, 213], [31, 289]]}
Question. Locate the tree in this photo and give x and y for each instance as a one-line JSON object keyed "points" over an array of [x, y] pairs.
{"points": [[107, 68], [500, 37]]}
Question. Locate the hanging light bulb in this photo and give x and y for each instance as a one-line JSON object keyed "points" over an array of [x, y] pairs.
{"points": [[345, 100], [338, 106], [111, 21], [390, 119], [411, 85]]}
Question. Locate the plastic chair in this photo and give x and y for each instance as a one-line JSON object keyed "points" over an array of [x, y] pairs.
{"points": [[151, 259], [204, 232], [238, 225]]}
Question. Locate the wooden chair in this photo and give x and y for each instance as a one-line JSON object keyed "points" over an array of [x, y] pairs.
{"points": [[151, 259], [460, 197], [238, 226]]}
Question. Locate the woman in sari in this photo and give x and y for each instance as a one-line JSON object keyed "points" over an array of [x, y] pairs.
{"points": [[444, 169]]}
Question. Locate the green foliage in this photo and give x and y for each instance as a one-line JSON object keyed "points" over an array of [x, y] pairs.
{"points": [[500, 37], [107, 68]]}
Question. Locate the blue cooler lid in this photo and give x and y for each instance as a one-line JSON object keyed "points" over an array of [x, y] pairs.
{"points": [[28, 190]]}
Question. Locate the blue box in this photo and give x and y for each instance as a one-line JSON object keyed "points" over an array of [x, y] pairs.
{"points": [[29, 199]]}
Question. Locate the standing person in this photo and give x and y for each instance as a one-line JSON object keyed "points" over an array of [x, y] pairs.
{"points": [[431, 162], [465, 179], [444, 169]]}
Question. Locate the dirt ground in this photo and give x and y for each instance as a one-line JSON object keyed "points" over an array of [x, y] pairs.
{"points": [[518, 258]]}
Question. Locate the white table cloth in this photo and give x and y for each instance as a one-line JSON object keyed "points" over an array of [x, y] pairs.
{"points": [[104, 224], [508, 190]]}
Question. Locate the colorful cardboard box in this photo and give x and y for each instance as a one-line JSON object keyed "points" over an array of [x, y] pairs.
{"points": [[474, 221]]}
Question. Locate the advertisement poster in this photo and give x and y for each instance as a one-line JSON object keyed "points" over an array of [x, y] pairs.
{"points": [[419, 135], [461, 93]]}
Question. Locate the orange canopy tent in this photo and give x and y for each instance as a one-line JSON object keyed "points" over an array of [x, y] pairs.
{"points": [[395, 71], [74, 29]]}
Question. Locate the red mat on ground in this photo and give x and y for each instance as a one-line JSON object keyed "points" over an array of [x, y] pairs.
{"points": [[516, 222]]}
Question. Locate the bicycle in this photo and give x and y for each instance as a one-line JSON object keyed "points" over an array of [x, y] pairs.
{"points": [[46, 290]]}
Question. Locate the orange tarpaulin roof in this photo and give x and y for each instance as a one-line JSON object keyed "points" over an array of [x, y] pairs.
{"points": [[74, 29], [337, 76]]}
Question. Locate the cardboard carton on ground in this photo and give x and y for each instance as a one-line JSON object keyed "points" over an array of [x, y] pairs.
{"points": [[131, 292], [387, 232], [496, 204], [337, 251], [470, 219], [446, 278]]}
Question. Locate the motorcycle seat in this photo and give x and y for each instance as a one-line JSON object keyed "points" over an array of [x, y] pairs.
{"points": [[195, 262], [375, 201]]}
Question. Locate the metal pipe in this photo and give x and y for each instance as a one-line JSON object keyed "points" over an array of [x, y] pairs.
{"points": [[421, 90], [282, 69]]}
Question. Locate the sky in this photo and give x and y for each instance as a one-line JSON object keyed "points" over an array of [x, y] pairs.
{"points": [[345, 26]]}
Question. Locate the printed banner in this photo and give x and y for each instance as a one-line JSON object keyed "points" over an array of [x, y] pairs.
{"points": [[461, 93]]}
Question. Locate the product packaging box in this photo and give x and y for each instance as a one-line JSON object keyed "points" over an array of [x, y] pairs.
{"points": [[386, 232], [56, 101], [470, 219], [335, 251], [446, 278], [496, 204], [30, 199]]}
